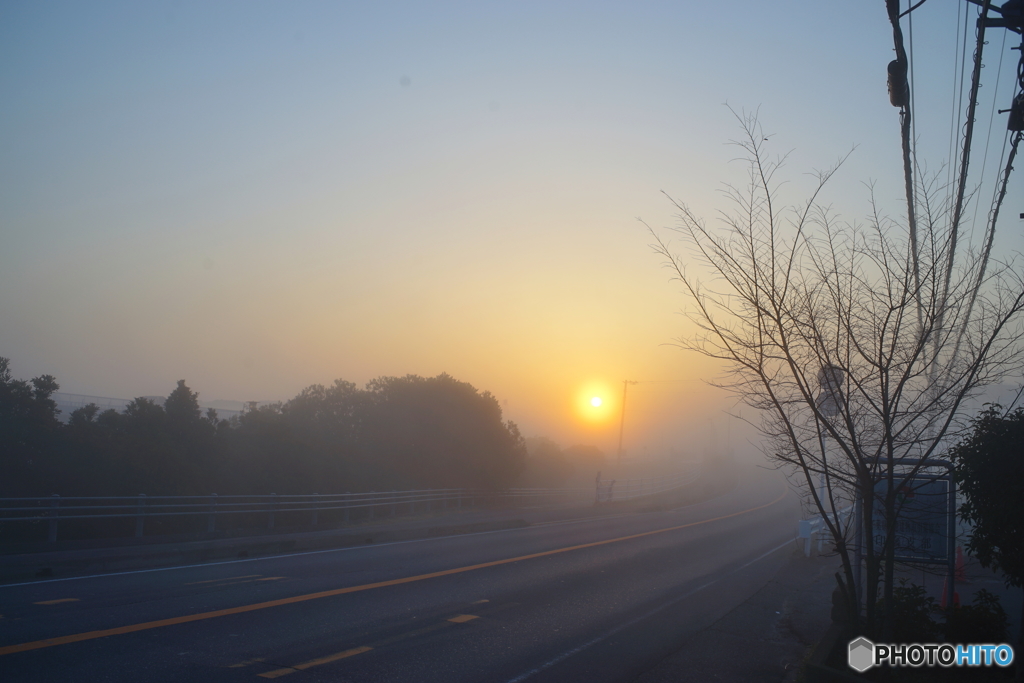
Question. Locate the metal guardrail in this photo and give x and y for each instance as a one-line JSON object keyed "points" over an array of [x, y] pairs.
{"points": [[628, 489], [53, 509], [808, 527], [372, 504]]}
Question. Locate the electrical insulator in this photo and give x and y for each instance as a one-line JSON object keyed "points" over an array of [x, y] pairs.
{"points": [[1016, 121], [899, 91]]}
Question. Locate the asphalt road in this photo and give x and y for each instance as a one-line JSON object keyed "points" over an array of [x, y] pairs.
{"points": [[600, 599]]}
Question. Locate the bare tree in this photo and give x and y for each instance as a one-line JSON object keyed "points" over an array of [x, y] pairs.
{"points": [[848, 335]]}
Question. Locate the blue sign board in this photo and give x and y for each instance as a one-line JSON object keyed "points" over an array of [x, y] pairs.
{"points": [[922, 519]]}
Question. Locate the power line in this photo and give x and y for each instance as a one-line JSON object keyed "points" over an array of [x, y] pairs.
{"points": [[988, 136], [965, 156], [1015, 124], [959, 64]]}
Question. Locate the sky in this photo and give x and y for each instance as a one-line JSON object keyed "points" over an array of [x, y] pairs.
{"points": [[260, 196]]}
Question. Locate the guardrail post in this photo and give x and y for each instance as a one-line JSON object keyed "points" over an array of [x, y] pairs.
{"points": [[54, 505], [273, 505], [369, 510], [460, 500], [211, 519], [394, 495], [806, 528], [316, 508], [346, 506]]}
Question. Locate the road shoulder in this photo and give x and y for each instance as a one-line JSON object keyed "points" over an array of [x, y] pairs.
{"points": [[765, 638]]}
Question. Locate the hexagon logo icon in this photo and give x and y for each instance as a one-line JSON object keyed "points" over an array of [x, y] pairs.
{"points": [[861, 655]]}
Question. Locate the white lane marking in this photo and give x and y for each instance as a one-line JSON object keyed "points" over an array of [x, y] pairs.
{"points": [[308, 552], [621, 627]]}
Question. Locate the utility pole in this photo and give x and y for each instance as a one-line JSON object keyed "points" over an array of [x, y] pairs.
{"points": [[622, 420]]}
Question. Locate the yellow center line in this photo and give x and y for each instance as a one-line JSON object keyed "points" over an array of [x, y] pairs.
{"points": [[132, 628], [277, 673], [55, 602], [463, 618], [272, 578], [230, 578]]}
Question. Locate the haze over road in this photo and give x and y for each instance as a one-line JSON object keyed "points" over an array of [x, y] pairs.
{"points": [[599, 599]]}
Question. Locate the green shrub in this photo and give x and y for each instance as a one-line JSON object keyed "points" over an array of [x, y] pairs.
{"points": [[912, 614], [983, 621], [915, 618]]}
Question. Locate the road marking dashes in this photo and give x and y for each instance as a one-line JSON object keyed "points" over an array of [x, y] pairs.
{"points": [[463, 618], [277, 673], [55, 602], [284, 671]]}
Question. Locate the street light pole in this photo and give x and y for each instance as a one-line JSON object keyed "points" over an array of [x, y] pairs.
{"points": [[622, 419]]}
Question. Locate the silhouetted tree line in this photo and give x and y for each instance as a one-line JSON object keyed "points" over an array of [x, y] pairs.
{"points": [[397, 433], [550, 465]]}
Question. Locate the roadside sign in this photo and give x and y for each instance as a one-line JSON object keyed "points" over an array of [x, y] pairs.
{"points": [[922, 514]]}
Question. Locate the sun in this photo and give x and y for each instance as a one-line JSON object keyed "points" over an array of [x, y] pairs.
{"points": [[593, 402]]}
